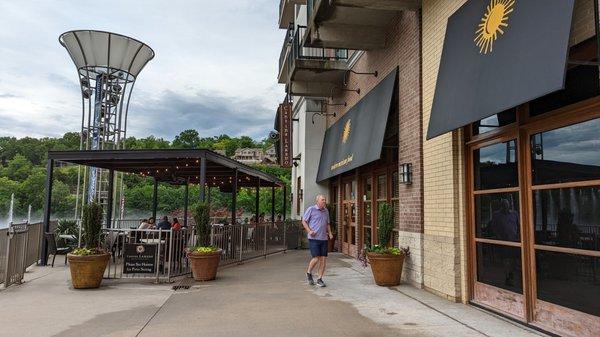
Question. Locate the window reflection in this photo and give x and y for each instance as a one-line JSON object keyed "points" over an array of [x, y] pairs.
{"points": [[567, 154], [496, 166], [568, 217], [497, 216], [569, 280], [495, 121], [499, 266]]}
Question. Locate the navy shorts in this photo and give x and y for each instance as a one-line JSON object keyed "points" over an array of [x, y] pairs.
{"points": [[318, 247]]}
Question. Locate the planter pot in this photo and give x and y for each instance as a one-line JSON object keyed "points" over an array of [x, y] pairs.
{"points": [[87, 271], [387, 268], [204, 266]]}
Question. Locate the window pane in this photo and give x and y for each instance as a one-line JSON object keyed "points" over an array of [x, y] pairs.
{"points": [[381, 187], [569, 280], [581, 83], [395, 185], [493, 122], [369, 188], [568, 217], [367, 217], [496, 166], [396, 208], [497, 216], [567, 154], [499, 266], [367, 236]]}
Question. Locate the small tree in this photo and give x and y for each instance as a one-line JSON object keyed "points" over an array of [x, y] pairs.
{"points": [[202, 218], [91, 224], [385, 220]]}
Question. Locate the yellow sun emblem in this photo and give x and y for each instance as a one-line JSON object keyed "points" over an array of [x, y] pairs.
{"points": [[346, 132], [492, 23]]}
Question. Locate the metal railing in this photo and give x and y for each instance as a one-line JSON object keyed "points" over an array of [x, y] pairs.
{"points": [[238, 243], [299, 52], [289, 35], [19, 249]]}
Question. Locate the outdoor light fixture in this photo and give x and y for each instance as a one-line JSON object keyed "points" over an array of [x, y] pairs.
{"points": [[406, 173], [375, 73], [342, 89]]}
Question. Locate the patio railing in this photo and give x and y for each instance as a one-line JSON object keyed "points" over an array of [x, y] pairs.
{"points": [[19, 249], [238, 243]]}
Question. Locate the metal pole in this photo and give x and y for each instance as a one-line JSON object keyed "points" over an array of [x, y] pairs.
{"points": [[154, 199], [284, 202], [273, 204], [202, 179], [257, 201], [47, 209], [234, 198], [597, 28], [185, 204], [109, 205]]}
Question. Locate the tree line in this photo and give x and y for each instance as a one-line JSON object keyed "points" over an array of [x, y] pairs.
{"points": [[23, 172]]}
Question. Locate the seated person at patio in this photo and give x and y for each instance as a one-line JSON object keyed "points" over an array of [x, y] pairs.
{"points": [[176, 225], [151, 223], [164, 224], [144, 224]]}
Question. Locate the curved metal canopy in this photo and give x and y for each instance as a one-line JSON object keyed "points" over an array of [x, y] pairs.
{"points": [[95, 52]]}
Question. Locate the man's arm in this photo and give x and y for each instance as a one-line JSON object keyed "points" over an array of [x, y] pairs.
{"points": [[307, 227]]}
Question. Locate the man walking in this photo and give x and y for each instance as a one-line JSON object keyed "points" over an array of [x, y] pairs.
{"points": [[316, 225]]}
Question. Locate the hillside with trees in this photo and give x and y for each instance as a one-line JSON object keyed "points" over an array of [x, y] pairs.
{"points": [[23, 172]]}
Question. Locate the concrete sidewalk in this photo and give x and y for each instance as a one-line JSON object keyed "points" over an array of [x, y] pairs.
{"points": [[266, 297]]}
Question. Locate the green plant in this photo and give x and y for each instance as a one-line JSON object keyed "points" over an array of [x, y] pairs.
{"points": [[84, 251], [91, 224], [67, 227], [202, 219], [385, 220], [204, 249]]}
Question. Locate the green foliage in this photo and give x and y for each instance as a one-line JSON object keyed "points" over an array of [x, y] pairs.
{"points": [[202, 218], [67, 227], [204, 249], [385, 221], [187, 139], [84, 251], [91, 224], [385, 250], [18, 168]]}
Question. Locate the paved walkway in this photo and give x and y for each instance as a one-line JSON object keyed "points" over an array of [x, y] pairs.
{"points": [[266, 297]]}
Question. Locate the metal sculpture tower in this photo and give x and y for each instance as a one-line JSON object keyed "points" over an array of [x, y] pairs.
{"points": [[107, 66]]}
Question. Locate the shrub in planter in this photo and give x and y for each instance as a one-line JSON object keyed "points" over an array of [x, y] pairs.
{"points": [[386, 261], [204, 259], [87, 263]]}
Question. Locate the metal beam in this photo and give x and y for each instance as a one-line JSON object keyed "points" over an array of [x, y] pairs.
{"points": [[257, 202], [109, 204], [234, 199], [273, 204], [203, 179], [47, 209], [185, 204], [154, 199], [284, 202]]}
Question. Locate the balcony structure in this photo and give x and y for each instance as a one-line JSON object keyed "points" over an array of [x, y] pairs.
{"points": [[352, 24], [287, 12], [310, 71]]}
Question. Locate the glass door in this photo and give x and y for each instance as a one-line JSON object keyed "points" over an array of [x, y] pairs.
{"points": [[564, 170], [367, 212], [496, 240], [349, 217]]}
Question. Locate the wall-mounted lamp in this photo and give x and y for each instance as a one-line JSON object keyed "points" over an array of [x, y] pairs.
{"points": [[342, 89], [406, 173], [375, 73], [295, 160]]}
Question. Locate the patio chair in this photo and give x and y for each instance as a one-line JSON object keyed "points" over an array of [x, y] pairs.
{"points": [[53, 249]]}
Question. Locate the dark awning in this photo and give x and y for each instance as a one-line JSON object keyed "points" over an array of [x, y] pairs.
{"points": [[499, 54], [356, 138]]}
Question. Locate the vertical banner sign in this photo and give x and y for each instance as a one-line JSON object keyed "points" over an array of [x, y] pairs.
{"points": [[98, 97], [285, 135]]}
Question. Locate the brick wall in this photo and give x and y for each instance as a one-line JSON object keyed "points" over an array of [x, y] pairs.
{"points": [[403, 51]]}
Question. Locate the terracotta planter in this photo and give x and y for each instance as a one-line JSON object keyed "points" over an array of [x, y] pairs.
{"points": [[87, 271], [387, 268], [204, 266]]}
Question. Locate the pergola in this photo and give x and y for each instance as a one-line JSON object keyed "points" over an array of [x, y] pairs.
{"points": [[177, 167]]}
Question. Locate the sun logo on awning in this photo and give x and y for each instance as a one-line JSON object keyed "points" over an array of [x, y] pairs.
{"points": [[346, 132], [492, 24]]}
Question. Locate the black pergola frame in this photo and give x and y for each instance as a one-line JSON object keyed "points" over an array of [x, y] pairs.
{"points": [[174, 166]]}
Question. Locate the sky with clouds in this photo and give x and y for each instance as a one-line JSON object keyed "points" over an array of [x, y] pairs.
{"points": [[214, 71]]}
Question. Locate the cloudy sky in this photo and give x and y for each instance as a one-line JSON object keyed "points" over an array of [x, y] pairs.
{"points": [[215, 67]]}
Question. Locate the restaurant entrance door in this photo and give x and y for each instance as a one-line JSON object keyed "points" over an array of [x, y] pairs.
{"points": [[348, 217]]}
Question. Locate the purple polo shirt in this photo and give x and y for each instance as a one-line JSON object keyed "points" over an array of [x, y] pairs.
{"points": [[317, 220]]}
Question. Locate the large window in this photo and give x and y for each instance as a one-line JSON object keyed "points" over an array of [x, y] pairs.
{"points": [[495, 166]]}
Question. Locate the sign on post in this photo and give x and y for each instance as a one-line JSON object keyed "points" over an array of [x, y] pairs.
{"points": [[139, 258]]}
